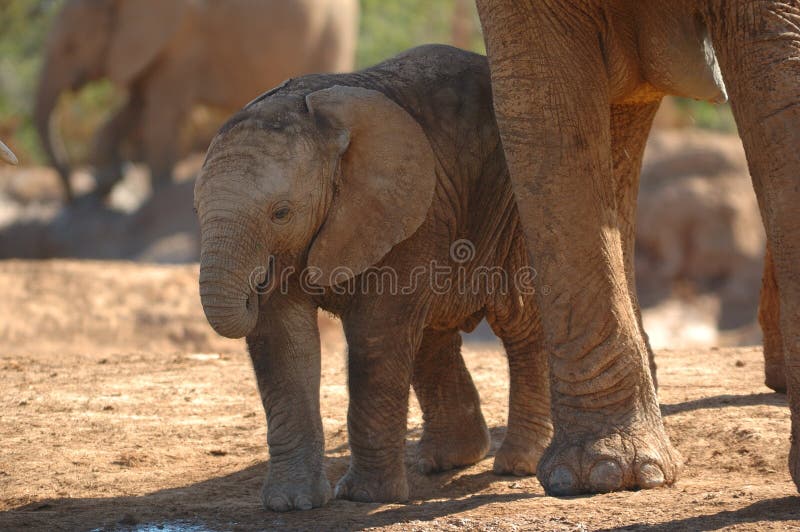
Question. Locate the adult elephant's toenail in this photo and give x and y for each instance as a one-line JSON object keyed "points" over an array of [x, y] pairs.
{"points": [[301, 502], [606, 475], [650, 476], [278, 503], [561, 482]]}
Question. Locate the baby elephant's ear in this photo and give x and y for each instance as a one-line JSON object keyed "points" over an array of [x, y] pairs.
{"points": [[388, 174]]}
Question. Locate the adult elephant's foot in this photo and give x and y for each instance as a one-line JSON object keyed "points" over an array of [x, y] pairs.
{"points": [[774, 362], [794, 462], [460, 445], [775, 377], [639, 457], [282, 495], [520, 458], [106, 179], [374, 486]]}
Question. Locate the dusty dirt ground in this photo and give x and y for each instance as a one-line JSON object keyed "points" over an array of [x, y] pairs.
{"points": [[121, 409]]}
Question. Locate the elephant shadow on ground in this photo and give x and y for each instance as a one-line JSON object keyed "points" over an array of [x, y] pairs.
{"points": [[726, 400], [162, 229], [232, 501], [776, 510]]}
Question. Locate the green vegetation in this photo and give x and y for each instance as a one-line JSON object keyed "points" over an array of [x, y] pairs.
{"points": [[23, 29], [391, 26], [707, 116], [387, 27]]}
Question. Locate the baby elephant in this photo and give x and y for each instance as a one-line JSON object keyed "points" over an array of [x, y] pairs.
{"points": [[383, 197]]}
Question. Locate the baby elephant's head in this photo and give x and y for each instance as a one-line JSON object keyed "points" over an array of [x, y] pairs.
{"points": [[331, 181]]}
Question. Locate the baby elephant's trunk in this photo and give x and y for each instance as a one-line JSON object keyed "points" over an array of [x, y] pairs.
{"points": [[229, 289]]}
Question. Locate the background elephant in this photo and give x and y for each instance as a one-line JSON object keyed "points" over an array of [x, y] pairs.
{"points": [[7, 155], [171, 56], [394, 171], [575, 161]]}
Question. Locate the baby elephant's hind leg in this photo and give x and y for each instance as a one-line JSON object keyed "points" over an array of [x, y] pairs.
{"points": [[455, 432], [529, 426]]}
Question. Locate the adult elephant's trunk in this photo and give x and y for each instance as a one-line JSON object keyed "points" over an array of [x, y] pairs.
{"points": [[230, 278], [46, 99]]}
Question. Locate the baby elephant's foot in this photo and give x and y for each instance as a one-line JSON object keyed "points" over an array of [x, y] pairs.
{"points": [[461, 446], [282, 496], [520, 459], [373, 487], [635, 459]]}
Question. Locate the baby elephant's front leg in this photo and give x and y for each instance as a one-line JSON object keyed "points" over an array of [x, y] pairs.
{"points": [[286, 360], [379, 382]]}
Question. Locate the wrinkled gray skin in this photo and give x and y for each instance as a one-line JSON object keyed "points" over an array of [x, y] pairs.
{"points": [[7, 155], [385, 168]]}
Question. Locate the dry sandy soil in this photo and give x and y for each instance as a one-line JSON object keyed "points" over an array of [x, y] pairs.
{"points": [[120, 409]]}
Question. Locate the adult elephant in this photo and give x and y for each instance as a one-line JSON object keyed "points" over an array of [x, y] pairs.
{"points": [[575, 86], [173, 55]]}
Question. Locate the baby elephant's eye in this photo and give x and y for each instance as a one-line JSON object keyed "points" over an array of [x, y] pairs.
{"points": [[281, 214]]}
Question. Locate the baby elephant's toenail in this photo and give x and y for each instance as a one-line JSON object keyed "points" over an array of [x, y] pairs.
{"points": [[521, 470], [278, 503], [301, 502], [562, 481], [340, 492], [425, 466], [362, 495], [606, 476], [650, 476]]}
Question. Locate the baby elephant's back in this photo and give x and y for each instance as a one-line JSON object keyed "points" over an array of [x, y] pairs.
{"points": [[448, 91], [445, 89]]}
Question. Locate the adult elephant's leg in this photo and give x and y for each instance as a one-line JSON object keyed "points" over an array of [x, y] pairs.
{"points": [[769, 317], [106, 157], [455, 432], [380, 362], [285, 352], [630, 126], [164, 114], [552, 100], [758, 46]]}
